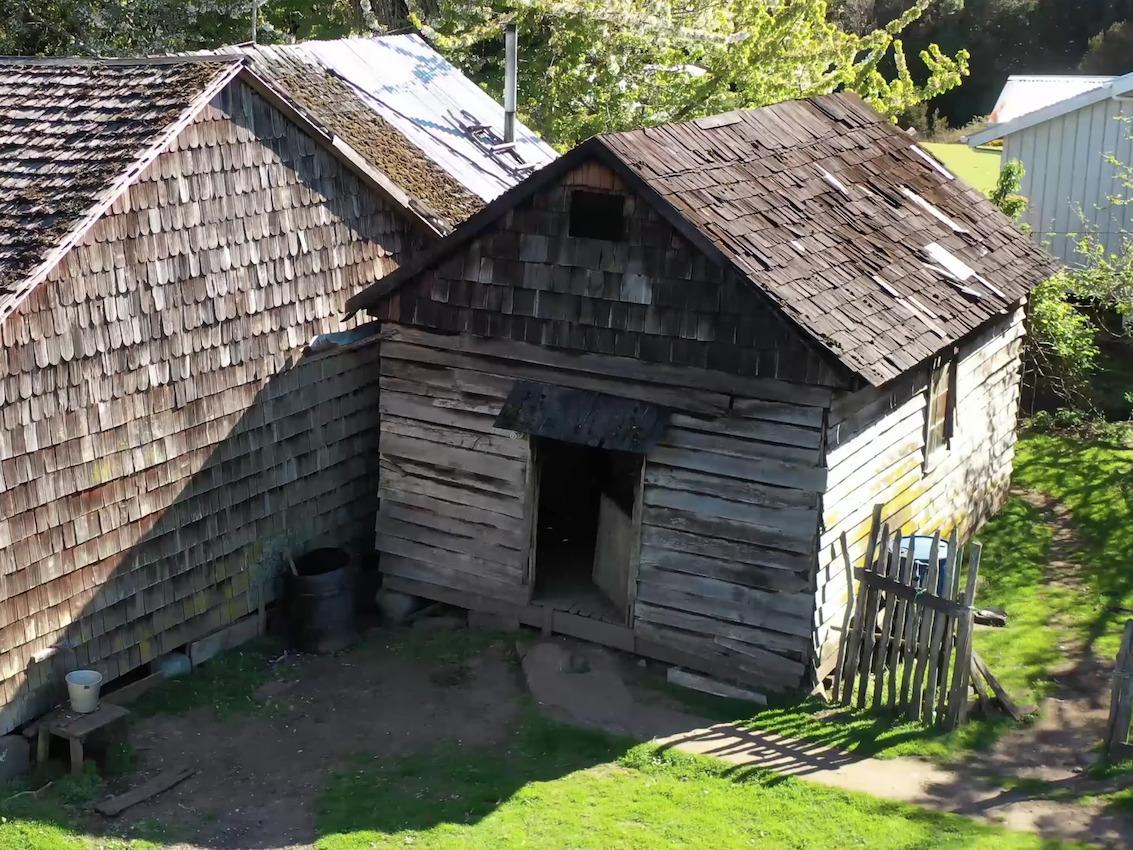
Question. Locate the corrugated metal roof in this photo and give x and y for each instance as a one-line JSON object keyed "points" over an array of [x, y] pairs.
{"points": [[417, 91], [1110, 87], [1024, 94]]}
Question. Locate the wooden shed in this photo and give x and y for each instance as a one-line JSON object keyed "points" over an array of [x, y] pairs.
{"points": [[173, 234], [638, 398]]}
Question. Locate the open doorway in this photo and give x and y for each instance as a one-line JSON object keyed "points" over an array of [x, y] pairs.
{"points": [[585, 538]]}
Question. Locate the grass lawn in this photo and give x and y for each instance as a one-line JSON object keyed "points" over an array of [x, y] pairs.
{"points": [[977, 167], [1095, 481], [559, 787]]}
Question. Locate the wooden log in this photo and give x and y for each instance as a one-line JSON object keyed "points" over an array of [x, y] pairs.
{"points": [[869, 639], [843, 638], [962, 670], [853, 651], [113, 806], [708, 685], [1002, 697], [1121, 703], [924, 634]]}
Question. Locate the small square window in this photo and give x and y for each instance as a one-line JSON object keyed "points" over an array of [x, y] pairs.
{"points": [[597, 215], [941, 414]]}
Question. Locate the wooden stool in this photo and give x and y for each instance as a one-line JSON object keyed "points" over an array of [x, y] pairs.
{"points": [[75, 728]]}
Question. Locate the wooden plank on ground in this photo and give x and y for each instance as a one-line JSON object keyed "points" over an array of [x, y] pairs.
{"points": [[113, 806], [708, 685]]}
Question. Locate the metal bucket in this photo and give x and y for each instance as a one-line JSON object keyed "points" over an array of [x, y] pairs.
{"points": [[83, 687], [321, 601]]}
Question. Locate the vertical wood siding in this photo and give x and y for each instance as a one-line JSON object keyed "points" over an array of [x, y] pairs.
{"points": [[163, 440], [875, 454], [1067, 172]]}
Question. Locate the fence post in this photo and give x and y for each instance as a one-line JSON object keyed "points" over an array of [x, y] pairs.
{"points": [[1121, 705]]}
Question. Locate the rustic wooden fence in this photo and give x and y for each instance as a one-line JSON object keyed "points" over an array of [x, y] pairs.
{"points": [[908, 647], [1118, 734]]}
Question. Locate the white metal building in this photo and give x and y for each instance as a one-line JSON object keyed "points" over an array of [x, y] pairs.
{"points": [[1067, 149]]}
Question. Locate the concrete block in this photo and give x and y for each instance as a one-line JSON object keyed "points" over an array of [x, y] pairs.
{"points": [[15, 757], [396, 607]]}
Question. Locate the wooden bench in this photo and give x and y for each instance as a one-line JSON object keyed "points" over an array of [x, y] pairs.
{"points": [[75, 728]]}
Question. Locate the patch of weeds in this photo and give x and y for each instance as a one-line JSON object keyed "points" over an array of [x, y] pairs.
{"points": [[1110, 769], [120, 759], [1014, 577], [79, 789], [451, 676], [226, 683], [439, 648]]}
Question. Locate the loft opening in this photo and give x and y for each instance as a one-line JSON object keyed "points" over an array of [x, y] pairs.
{"points": [[597, 215], [585, 528]]}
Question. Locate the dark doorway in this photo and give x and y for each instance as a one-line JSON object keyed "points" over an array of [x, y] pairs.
{"points": [[585, 538]]}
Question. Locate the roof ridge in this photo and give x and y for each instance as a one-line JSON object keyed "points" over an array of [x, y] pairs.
{"points": [[122, 61]]}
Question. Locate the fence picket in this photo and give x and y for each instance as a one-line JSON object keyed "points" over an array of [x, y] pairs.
{"points": [[888, 566], [869, 623], [853, 651], [958, 697]]}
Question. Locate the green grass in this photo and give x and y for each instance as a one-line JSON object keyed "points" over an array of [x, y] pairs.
{"points": [[977, 167], [226, 682], [558, 787], [1094, 480]]}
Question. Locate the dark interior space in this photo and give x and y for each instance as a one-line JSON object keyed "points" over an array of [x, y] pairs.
{"points": [[575, 481]]}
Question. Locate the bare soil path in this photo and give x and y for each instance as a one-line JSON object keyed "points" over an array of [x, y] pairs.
{"points": [[260, 775]]}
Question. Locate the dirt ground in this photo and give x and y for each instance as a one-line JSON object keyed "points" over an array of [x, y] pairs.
{"points": [[260, 775]]}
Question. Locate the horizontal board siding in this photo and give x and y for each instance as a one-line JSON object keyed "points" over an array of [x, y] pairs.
{"points": [[877, 456], [452, 491], [730, 499], [728, 539], [164, 439]]}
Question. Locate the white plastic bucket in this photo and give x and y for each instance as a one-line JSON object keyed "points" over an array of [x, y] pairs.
{"points": [[83, 687]]}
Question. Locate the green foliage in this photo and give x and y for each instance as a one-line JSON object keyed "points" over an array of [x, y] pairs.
{"points": [[120, 27], [1062, 352], [1109, 51], [1006, 194], [590, 66], [553, 786], [226, 683]]}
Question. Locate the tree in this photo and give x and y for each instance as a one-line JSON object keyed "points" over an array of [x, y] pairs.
{"points": [[123, 27], [1110, 51], [594, 66]]}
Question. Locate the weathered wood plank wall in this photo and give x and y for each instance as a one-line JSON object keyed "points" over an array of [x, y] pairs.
{"points": [[729, 536], [161, 435], [875, 454], [730, 502]]}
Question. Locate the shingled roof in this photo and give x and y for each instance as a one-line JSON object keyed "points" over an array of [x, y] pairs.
{"points": [[403, 107], [862, 239], [72, 133]]}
